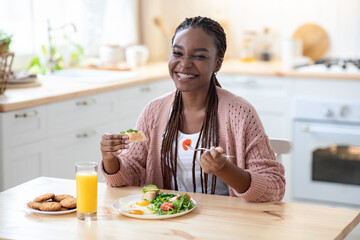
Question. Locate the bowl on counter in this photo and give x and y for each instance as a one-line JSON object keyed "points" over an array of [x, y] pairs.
{"points": [[137, 55]]}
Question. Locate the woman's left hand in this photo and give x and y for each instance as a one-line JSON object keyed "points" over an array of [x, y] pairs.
{"points": [[211, 161]]}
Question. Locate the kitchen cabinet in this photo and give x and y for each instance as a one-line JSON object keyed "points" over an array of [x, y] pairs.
{"points": [[271, 97], [21, 151], [63, 151], [48, 140], [131, 101], [23, 126], [74, 114], [22, 163]]}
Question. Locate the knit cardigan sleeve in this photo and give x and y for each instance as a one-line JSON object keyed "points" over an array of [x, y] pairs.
{"points": [[267, 174], [133, 160], [254, 155]]}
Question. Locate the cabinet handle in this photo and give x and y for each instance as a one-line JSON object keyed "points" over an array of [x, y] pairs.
{"points": [[86, 102], [86, 134], [145, 89], [28, 114]]}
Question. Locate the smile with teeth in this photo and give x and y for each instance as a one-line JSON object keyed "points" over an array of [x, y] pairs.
{"points": [[182, 75]]}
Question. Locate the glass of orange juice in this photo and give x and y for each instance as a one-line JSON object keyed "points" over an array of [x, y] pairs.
{"points": [[86, 190]]}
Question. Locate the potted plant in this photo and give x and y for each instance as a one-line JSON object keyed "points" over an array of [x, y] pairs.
{"points": [[5, 40]]}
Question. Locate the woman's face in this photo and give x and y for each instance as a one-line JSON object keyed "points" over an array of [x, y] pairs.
{"points": [[193, 60]]}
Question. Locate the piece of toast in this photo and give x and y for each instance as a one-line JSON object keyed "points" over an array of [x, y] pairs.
{"points": [[136, 136]]}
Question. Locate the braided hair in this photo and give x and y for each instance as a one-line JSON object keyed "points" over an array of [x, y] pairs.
{"points": [[209, 133]]}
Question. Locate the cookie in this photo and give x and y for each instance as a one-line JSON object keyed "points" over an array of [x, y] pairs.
{"points": [[60, 197], [50, 206], [68, 202], [44, 197], [34, 205], [64, 209]]}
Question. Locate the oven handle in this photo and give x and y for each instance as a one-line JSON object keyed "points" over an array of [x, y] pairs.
{"points": [[312, 129]]}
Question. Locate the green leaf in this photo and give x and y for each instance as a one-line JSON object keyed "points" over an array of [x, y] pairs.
{"points": [[5, 39], [43, 48]]}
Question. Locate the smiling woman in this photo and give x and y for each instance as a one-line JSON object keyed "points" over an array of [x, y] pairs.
{"points": [[211, 117]]}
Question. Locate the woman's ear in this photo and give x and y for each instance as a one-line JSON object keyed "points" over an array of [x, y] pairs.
{"points": [[218, 65]]}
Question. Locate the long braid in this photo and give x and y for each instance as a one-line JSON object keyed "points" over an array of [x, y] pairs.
{"points": [[209, 133]]}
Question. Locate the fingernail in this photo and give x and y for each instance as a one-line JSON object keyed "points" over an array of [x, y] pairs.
{"points": [[127, 141]]}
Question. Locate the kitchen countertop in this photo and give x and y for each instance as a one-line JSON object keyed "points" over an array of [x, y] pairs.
{"points": [[215, 217], [56, 90]]}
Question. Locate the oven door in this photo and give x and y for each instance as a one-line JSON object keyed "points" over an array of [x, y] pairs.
{"points": [[326, 163]]}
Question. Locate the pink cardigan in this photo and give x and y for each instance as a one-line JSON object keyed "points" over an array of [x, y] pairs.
{"points": [[241, 135]]}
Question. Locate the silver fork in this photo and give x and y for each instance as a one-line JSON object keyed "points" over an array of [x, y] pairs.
{"points": [[206, 149]]}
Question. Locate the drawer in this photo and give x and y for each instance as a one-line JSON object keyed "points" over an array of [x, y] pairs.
{"points": [[22, 163], [80, 145], [76, 113], [23, 126]]}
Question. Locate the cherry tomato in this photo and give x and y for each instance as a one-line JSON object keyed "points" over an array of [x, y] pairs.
{"points": [[167, 206]]}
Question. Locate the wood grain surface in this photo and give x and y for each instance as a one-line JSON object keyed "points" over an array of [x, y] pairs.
{"points": [[216, 217], [315, 40]]}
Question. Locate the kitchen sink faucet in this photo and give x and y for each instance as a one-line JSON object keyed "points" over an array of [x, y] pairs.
{"points": [[53, 58]]}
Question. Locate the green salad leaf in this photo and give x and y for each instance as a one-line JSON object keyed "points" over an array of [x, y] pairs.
{"points": [[129, 131], [182, 203]]}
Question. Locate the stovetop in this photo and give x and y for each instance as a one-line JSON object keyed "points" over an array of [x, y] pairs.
{"points": [[341, 62], [333, 65]]}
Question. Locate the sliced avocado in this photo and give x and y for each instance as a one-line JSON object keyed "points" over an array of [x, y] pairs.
{"points": [[150, 187]]}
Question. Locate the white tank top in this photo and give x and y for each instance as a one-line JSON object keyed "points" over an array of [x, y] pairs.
{"points": [[184, 166]]}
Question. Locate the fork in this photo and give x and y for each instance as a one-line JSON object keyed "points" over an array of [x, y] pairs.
{"points": [[206, 149]]}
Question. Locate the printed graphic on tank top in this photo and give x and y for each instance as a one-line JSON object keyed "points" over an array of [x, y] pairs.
{"points": [[184, 165]]}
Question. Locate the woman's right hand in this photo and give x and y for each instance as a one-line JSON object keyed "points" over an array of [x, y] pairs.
{"points": [[112, 144]]}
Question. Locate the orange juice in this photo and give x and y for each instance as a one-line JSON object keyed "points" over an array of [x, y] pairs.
{"points": [[86, 191]]}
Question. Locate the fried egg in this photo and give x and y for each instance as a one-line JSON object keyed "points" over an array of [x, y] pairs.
{"points": [[137, 208]]}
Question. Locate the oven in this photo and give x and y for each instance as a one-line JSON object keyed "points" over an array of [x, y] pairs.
{"points": [[326, 156]]}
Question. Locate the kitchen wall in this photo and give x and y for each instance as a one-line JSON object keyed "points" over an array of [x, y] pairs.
{"points": [[339, 18]]}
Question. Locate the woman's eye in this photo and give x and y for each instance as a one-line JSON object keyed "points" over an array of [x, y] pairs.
{"points": [[176, 53], [199, 57]]}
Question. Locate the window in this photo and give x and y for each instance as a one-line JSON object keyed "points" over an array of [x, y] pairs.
{"points": [[97, 22]]}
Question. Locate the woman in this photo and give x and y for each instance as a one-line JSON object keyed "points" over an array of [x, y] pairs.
{"points": [[198, 113]]}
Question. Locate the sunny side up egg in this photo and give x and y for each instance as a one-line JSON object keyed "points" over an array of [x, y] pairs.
{"points": [[139, 208]]}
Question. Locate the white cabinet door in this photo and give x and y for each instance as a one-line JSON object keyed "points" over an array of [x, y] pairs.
{"points": [[22, 163], [82, 145], [270, 96], [131, 101], [76, 113], [23, 126]]}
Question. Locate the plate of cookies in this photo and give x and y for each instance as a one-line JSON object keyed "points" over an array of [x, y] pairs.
{"points": [[52, 204]]}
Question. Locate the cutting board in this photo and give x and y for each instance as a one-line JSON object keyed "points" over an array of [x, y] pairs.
{"points": [[315, 41], [23, 85]]}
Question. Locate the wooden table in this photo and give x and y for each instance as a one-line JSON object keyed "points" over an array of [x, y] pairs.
{"points": [[216, 217]]}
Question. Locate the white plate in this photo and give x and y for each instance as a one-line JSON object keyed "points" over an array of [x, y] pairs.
{"points": [[121, 204], [51, 213]]}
